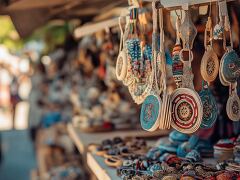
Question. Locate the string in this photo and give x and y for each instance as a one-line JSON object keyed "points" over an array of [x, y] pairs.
{"points": [[217, 13], [210, 10], [154, 16], [162, 53], [121, 35]]}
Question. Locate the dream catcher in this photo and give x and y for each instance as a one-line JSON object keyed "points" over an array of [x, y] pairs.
{"points": [[151, 107], [229, 70], [209, 64], [186, 105]]}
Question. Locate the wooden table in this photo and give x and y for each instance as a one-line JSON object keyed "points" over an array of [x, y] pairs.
{"points": [[96, 164], [82, 140], [100, 169]]}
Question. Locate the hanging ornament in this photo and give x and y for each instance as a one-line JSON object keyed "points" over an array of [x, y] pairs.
{"points": [[151, 107], [188, 31], [209, 65], [233, 103], [187, 108], [186, 105], [187, 79], [230, 62], [177, 65], [165, 119], [121, 64], [210, 110], [218, 29]]}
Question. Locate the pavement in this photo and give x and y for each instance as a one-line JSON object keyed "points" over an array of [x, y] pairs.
{"points": [[18, 155]]}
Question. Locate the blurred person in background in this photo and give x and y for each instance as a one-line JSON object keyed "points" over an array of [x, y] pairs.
{"points": [[15, 98], [5, 81]]}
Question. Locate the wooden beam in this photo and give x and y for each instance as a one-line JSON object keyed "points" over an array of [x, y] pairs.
{"points": [[111, 13], [92, 28], [35, 4]]}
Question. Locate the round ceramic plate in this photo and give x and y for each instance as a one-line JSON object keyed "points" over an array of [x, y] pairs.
{"points": [[209, 65], [150, 113], [121, 65], [186, 110], [210, 110], [233, 107]]}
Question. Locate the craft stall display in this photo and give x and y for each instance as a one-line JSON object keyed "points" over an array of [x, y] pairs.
{"points": [[142, 66], [184, 109]]}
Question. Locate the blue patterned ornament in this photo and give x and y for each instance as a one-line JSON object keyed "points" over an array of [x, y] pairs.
{"points": [[210, 110], [150, 113], [231, 66]]}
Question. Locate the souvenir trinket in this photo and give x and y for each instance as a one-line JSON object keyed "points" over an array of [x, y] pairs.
{"points": [[209, 64], [188, 31], [151, 107], [186, 105], [233, 104], [177, 65], [186, 110], [121, 64], [210, 110], [230, 62]]}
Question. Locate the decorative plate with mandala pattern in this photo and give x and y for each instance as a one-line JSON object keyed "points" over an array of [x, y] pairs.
{"points": [[186, 111]]}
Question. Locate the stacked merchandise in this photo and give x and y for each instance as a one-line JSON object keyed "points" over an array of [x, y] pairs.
{"points": [[177, 157], [99, 102]]}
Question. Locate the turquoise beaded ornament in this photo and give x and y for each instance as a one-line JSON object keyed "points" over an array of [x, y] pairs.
{"points": [[210, 109], [231, 66], [150, 113]]}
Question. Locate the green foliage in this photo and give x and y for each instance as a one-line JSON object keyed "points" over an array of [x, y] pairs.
{"points": [[8, 34], [53, 34]]}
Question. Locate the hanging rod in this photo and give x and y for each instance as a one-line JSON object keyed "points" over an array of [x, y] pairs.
{"points": [[184, 4]]}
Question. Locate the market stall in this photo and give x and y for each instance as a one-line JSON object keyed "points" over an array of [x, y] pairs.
{"points": [[139, 89]]}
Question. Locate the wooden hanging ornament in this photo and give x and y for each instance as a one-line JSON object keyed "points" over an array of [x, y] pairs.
{"points": [[233, 103], [209, 65]]}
